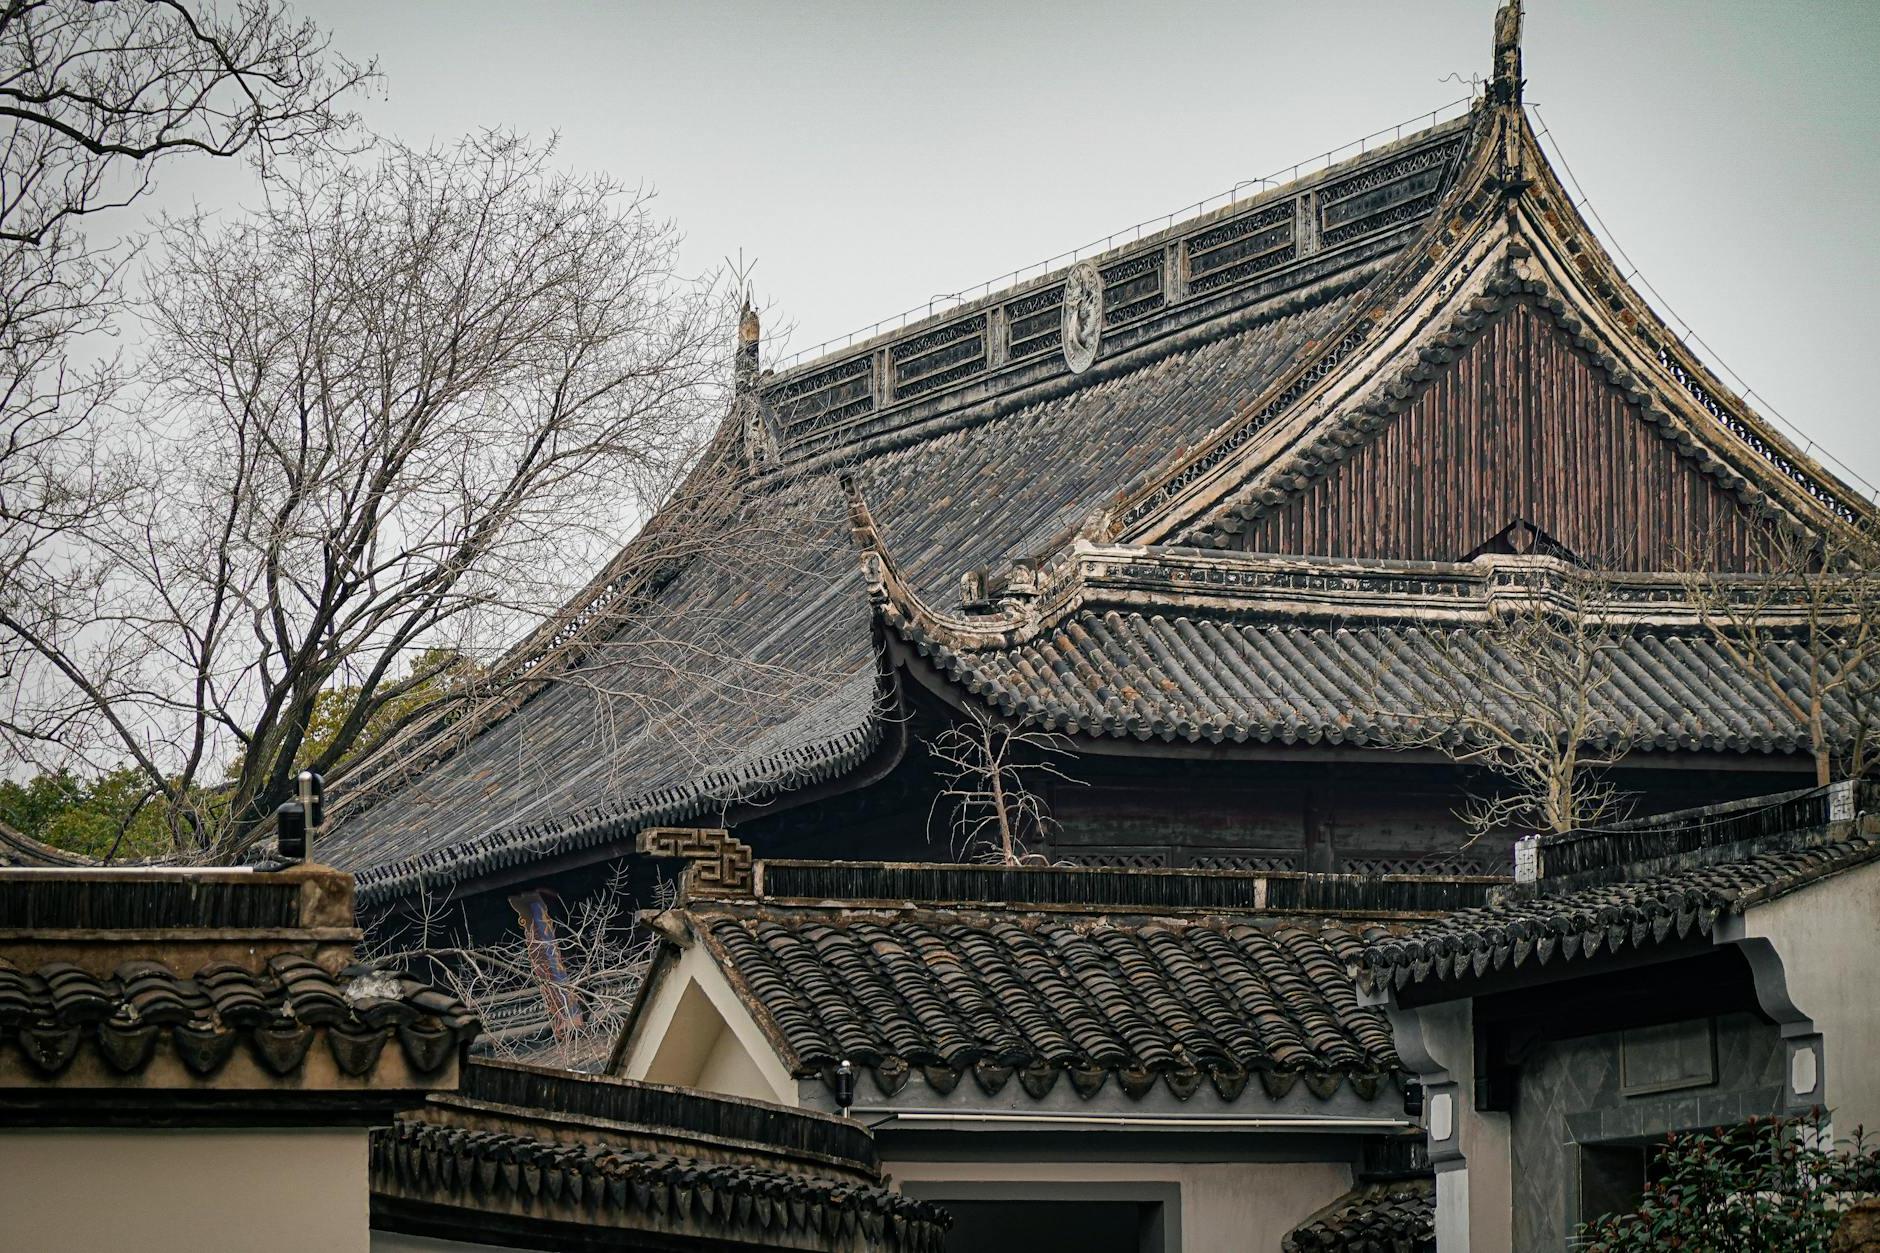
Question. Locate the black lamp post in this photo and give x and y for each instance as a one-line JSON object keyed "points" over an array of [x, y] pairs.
{"points": [[297, 821]]}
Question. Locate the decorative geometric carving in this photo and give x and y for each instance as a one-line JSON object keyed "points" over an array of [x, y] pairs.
{"points": [[1244, 860], [1160, 280], [1119, 859], [1083, 316], [1133, 289], [720, 864], [826, 398], [1034, 324], [1395, 192], [1242, 247], [1781, 461], [933, 359], [1438, 864]]}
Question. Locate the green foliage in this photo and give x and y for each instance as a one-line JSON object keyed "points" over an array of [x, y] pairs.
{"points": [[89, 816], [445, 671], [116, 815], [1769, 1183]]}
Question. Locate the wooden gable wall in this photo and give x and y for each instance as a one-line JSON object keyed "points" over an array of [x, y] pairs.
{"points": [[1519, 428]]}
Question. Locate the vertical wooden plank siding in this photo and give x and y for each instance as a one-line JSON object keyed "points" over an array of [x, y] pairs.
{"points": [[1519, 427]]}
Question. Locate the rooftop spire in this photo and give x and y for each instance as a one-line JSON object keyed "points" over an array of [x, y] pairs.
{"points": [[1505, 87], [760, 443], [749, 333]]}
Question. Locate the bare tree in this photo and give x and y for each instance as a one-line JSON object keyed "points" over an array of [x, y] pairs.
{"points": [[557, 994], [405, 405], [1808, 630], [1527, 697], [98, 96], [989, 774]]}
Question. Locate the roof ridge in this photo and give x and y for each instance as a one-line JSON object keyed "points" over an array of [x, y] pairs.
{"points": [[1179, 278], [1709, 834], [1012, 282], [1108, 890]]}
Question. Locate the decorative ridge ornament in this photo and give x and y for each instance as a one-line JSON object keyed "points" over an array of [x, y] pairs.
{"points": [[1083, 315], [720, 864], [1505, 87], [760, 442]]}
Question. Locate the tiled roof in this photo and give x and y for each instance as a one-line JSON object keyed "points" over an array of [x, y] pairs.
{"points": [[55, 1012], [1218, 677], [1181, 644], [1394, 1217], [1042, 997], [1620, 908], [618, 1159], [626, 1187], [751, 673]]}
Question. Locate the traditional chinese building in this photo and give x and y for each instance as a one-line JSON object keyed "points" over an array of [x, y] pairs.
{"points": [[1115, 1060], [1669, 975], [1194, 504]]}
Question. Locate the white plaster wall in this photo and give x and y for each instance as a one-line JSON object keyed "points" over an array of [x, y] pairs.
{"points": [[1474, 1181], [1490, 1189], [1240, 1206], [191, 1191], [1828, 937], [729, 1068], [724, 1051]]}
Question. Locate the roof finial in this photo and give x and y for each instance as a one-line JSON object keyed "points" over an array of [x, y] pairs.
{"points": [[749, 335], [760, 444], [1505, 87]]}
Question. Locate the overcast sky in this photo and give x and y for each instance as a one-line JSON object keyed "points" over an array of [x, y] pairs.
{"points": [[870, 155]]}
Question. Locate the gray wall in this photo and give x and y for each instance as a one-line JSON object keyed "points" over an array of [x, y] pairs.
{"points": [[1571, 1093]]}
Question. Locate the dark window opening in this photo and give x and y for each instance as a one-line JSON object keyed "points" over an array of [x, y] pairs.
{"points": [[1031, 1226], [1613, 1177]]}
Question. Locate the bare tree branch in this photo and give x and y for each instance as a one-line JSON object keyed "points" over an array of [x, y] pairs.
{"points": [[557, 994], [1821, 595], [405, 407], [98, 95], [1525, 696], [989, 773]]}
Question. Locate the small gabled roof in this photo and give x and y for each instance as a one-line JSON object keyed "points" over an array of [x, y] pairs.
{"points": [[1395, 1216], [1636, 886], [1043, 974]]}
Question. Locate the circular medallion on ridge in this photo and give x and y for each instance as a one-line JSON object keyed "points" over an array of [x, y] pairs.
{"points": [[1083, 316]]}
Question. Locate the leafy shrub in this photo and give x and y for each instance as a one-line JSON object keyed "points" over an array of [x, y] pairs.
{"points": [[1769, 1183]]}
